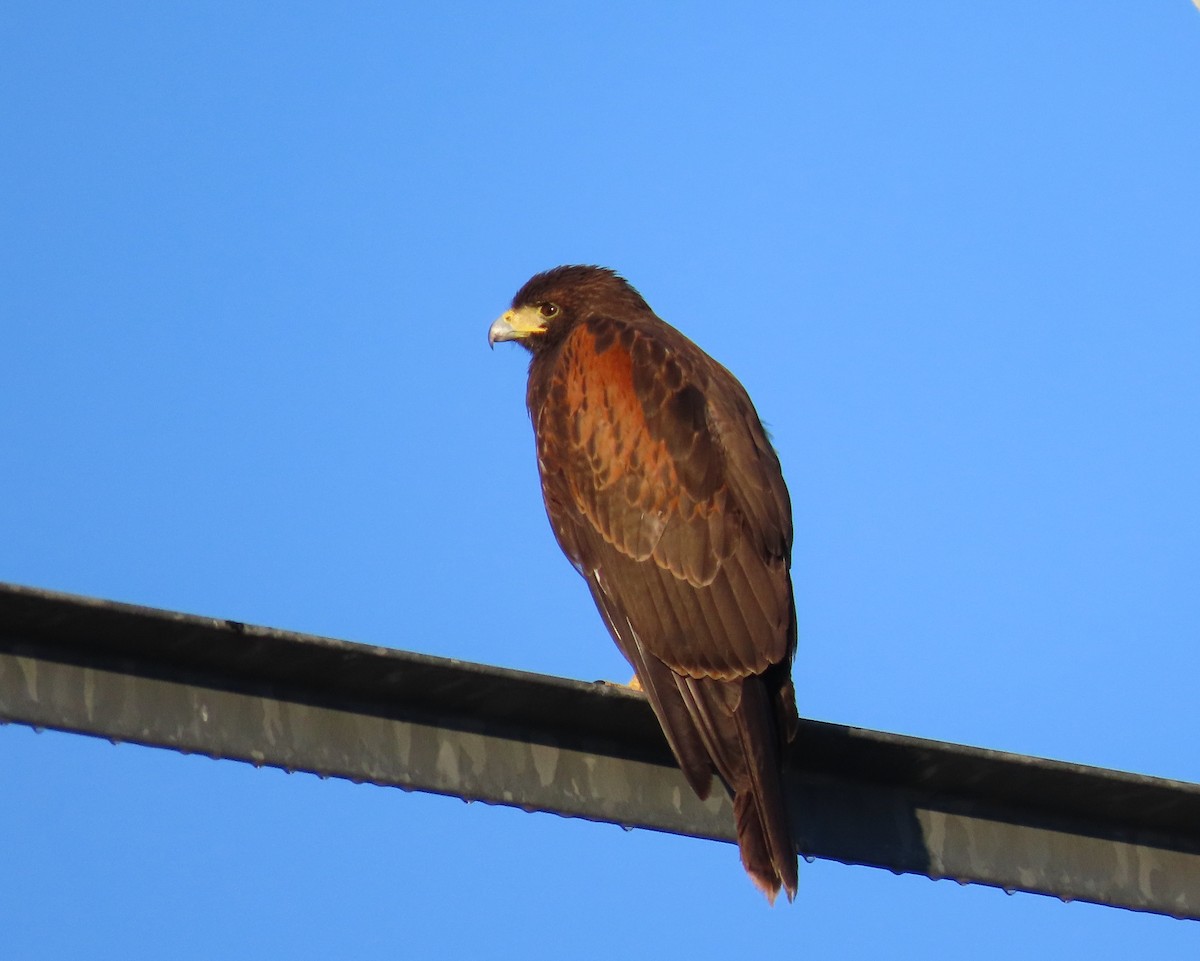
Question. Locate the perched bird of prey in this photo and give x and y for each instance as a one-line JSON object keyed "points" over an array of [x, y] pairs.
{"points": [[665, 493]]}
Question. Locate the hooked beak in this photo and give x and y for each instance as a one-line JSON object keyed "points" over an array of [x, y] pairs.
{"points": [[518, 324]]}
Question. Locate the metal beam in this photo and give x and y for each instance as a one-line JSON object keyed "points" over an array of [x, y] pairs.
{"points": [[334, 708]]}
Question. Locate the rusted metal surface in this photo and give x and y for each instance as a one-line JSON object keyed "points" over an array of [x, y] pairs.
{"points": [[335, 708]]}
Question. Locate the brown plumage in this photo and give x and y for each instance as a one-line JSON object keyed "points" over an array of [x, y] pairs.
{"points": [[664, 492]]}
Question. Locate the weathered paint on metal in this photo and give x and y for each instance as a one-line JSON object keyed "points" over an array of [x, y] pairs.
{"points": [[390, 717]]}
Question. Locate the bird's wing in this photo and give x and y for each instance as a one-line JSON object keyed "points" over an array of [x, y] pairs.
{"points": [[663, 489]]}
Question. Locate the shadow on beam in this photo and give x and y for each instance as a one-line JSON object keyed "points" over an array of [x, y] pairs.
{"points": [[333, 708]]}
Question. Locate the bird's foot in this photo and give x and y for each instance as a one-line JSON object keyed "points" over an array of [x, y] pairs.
{"points": [[633, 685]]}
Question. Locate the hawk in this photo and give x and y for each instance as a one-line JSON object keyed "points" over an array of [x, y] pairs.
{"points": [[664, 492]]}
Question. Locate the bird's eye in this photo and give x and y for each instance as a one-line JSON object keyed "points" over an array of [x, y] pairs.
{"points": [[548, 310]]}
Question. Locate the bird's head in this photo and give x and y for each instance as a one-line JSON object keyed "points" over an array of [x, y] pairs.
{"points": [[550, 304]]}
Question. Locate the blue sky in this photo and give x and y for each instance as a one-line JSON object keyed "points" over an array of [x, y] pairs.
{"points": [[250, 254]]}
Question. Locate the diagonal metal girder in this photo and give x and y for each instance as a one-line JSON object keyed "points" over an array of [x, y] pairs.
{"points": [[334, 708]]}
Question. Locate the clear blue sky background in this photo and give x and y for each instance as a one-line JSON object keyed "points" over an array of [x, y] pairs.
{"points": [[250, 254]]}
